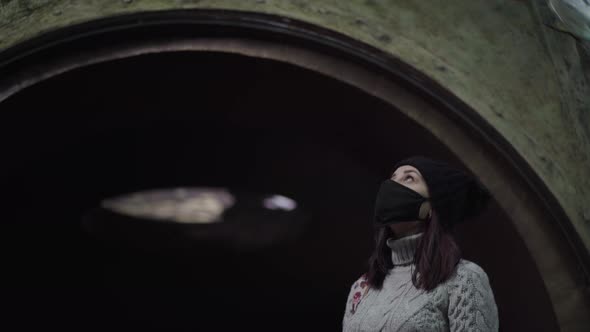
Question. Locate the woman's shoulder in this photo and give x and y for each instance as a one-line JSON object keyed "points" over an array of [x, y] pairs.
{"points": [[471, 299], [361, 282], [468, 267], [468, 271]]}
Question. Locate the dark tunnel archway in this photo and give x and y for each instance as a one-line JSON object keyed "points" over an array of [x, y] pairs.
{"points": [[215, 119]]}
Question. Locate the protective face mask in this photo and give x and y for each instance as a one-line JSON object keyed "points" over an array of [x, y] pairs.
{"points": [[397, 203]]}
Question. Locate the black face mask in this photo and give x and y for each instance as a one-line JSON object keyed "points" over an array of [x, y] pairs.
{"points": [[397, 203]]}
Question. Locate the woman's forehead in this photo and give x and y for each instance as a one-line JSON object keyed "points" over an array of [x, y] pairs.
{"points": [[406, 168]]}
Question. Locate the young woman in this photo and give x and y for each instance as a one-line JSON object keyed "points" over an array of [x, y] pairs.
{"points": [[417, 280]]}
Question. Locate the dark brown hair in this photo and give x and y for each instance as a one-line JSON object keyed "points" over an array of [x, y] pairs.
{"points": [[435, 258]]}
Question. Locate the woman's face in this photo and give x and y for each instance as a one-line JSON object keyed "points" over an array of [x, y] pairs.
{"points": [[410, 177]]}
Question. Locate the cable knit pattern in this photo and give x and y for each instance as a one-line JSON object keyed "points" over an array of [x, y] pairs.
{"points": [[465, 302], [471, 301]]}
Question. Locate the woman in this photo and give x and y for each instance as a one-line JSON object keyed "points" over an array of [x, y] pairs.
{"points": [[417, 280]]}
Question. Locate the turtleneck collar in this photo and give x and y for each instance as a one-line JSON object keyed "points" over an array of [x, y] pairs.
{"points": [[403, 249]]}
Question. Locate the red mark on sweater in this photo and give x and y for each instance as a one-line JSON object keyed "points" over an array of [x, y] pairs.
{"points": [[361, 285]]}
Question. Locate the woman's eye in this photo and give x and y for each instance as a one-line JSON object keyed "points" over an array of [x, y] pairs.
{"points": [[408, 177]]}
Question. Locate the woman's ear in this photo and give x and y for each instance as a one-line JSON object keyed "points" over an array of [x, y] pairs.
{"points": [[425, 210]]}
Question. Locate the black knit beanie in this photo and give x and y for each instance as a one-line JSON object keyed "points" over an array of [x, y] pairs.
{"points": [[454, 194]]}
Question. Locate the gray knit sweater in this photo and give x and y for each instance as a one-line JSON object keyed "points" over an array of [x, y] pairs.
{"points": [[465, 302]]}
